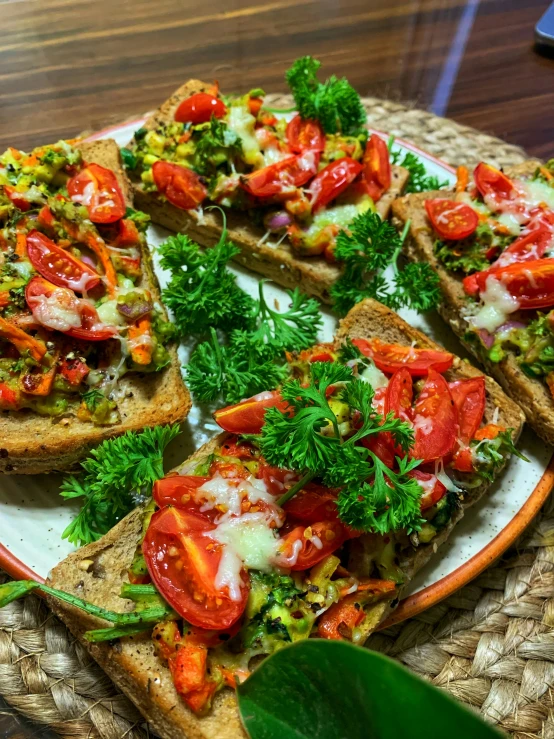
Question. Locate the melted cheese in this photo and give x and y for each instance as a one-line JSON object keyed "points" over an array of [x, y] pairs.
{"points": [[109, 314], [537, 192], [423, 424], [242, 123], [497, 304], [58, 311], [441, 476], [373, 375]]}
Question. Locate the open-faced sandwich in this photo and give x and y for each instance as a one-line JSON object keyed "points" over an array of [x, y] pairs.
{"points": [[83, 336], [491, 243], [305, 518], [290, 181]]}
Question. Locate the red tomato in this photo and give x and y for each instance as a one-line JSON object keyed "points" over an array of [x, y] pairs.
{"points": [[339, 620], [199, 108], [312, 504], [17, 198], [469, 398], [231, 448], [59, 266], [399, 395], [254, 106], [377, 169], [435, 420], [180, 185], [9, 398], [528, 247], [330, 534], [332, 181], [247, 417], [491, 181], [391, 357], [432, 487], [183, 564], [305, 135], [46, 217], [282, 177], [61, 298], [97, 189], [178, 490], [274, 477], [450, 219], [530, 283], [74, 371], [318, 353], [381, 445], [128, 233]]}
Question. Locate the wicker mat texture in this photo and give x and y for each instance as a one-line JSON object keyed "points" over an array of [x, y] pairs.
{"points": [[490, 645]]}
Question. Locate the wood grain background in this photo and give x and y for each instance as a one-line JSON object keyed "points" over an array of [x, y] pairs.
{"points": [[73, 65]]}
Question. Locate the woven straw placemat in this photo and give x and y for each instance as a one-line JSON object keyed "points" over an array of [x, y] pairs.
{"points": [[490, 645]]}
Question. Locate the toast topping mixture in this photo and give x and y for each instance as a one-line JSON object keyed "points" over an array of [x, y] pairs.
{"points": [[305, 175], [300, 522], [499, 232], [73, 314]]}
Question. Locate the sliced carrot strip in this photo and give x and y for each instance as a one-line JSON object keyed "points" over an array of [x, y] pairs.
{"points": [[21, 340]]}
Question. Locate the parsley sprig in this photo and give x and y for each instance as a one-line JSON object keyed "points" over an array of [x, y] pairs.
{"points": [[310, 440], [420, 180], [115, 475], [366, 249], [334, 103]]}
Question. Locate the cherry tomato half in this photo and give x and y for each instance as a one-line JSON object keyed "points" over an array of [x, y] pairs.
{"points": [[493, 182], [52, 306], [391, 357], [469, 397], [530, 283], [450, 219], [97, 189], [433, 489], [17, 198], [180, 185], [435, 420], [332, 181], [178, 490], [342, 617], [183, 563], [58, 265], [305, 135], [377, 169], [199, 108], [300, 552], [73, 370], [247, 417], [312, 504], [282, 177]]}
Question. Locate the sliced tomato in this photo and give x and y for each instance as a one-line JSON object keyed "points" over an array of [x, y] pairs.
{"points": [[318, 353], [275, 478], [463, 460], [382, 446], [180, 185], [52, 306], [312, 504], [435, 420], [128, 233], [282, 177], [433, 489], [530, 283], [98, 190], [391, 357], [199, 108], [183, 563], [303, 547], [247, 417], [17, 198], [305, 135], [10, 398], [528, 247], [232, 448], [332, 181], [450, 219], [73, 370], [491, 181], [342, 617], [399, 395], [377, 169], [178, 490], [46, 217], [59, 266], [469, 397]]}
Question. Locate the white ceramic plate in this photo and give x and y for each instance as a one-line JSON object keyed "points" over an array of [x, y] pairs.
{"points": [[33, 516]]}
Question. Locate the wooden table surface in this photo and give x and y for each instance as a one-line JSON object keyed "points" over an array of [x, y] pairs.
{"points": [[68, 66]]}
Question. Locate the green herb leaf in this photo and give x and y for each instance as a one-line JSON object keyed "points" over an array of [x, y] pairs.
{"points": [[114, 474], [129, 159], [295, 693], [420, 180], [334, 103]]}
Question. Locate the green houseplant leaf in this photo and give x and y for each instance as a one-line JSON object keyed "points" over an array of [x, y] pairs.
{"points": [[321, 689]]}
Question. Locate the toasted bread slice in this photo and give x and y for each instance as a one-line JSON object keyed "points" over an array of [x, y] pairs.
{"points": [[532, 395], [31, 443], [97, 571], [314, 275]]}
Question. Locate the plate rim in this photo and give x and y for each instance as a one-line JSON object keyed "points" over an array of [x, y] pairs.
{"points": [[432, 594]]}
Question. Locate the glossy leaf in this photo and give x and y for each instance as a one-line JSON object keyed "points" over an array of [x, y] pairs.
{"points": [[333, 690]]}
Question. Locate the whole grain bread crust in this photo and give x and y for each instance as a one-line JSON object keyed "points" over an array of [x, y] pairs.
{"points": [[30, 443], [532, 395], [314, 275], [97, 571]]}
